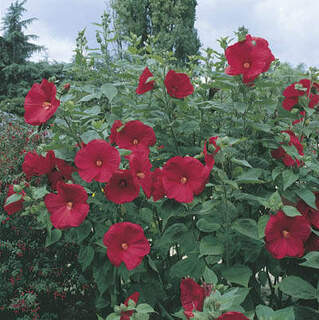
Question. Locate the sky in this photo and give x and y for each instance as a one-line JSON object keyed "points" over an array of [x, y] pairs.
{"points": [[288, 25]]}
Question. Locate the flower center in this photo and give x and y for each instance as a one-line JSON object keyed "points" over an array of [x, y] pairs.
{"points": [[124, 246], [123, 183], [46, 105], [135, 141], [69, 205], [183, 180], [246, 65], [140, 175], [285, 233], [99, 163]]}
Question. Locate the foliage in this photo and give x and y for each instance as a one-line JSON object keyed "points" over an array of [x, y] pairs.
{"points": [[17, 74], [218, 239], [18, 45], [37, 281], [170, 22]]}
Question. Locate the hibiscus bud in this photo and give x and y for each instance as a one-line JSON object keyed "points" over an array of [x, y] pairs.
{"points": [[66, 87]]}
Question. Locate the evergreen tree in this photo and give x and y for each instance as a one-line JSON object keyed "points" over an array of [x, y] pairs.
{"points": [[18, 45], [171, 21]]}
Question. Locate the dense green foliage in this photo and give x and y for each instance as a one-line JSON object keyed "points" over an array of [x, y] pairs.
{"points": [[218, 238], [17, 74], [170, 22]]}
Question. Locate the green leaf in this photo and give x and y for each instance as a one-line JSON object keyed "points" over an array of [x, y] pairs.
{"points": [[109, 91], [210, 245], [190, 266], [39, 193], [83, 230], [144, 308], [238, 274], [264, 313], [274, 202], [291, 211], [288, 178], [275, 173], [113, 316], [90, 135], [13, 198], [241, 162], [312, 260], [247, 227], [250, 176], [207, 225], [309, 197], [53, 237], [262, 222], [297, 288], [103, 277], [85, 257], [210, 276]]}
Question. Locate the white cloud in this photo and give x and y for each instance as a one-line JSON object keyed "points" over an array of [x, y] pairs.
{"points": [[288, 25]]}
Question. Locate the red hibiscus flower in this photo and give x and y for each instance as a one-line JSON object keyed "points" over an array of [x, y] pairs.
{"points": [[312, 215], [157, 190], [114, 131], [126, 315], [249, 58], [122, 187], [232, 316], [135, 135], [285, 236], [178, 85], [97, 161], [291, 94], [37, 165], [140, 166], [16, 206], [280, 152], [192, 296], [144, 85], [126, 242], [68, 208], [40, 103], [183, 177]]}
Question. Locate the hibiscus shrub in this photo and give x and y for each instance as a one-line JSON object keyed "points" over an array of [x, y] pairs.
{"points": [[37, 281], [192, 194]]}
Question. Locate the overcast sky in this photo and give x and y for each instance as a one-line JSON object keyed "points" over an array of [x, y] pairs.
{"points": [[290, 26]]}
